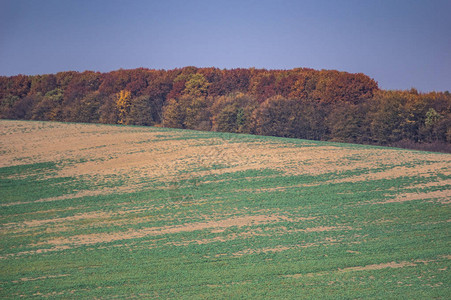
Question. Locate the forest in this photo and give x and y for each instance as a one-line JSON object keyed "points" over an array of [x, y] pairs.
{"points": [[325, 105]]}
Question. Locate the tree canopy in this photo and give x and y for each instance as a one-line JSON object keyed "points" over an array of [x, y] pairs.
{"points": [[299, 103]]}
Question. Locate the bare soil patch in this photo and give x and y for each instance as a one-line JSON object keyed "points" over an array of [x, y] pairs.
{"points": [[84, 216], [394, 265], [379, 266], [154, 231], [442, 196], [37, 251], [42, 277], [262, 250]]}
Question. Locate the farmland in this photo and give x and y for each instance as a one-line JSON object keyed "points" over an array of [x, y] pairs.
{"points": [[110, 211]]}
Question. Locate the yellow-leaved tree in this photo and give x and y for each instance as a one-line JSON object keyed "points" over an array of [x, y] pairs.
{"points": [[123, 103]]}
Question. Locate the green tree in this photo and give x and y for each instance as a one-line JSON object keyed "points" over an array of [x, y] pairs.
{"points": [[196, 86], [187, 112], [86, 109], [50, 107], [197, 114], [143, 111], [432, 120], [387, 116], [432, 117], [346, 123], [173, 115], [234, 113], [275, 117], [108, 110], [6, 104]]}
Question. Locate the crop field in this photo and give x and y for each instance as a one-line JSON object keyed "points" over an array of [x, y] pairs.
{"points": [[103, 211]]}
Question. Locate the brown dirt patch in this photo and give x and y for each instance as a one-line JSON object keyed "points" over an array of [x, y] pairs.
{"points": [[262, 250], [38, 251], [442, 196], [324, 228], [424, 170], [433, 184], [84, 216], [42, 277], [230, 237], [155, 231], [379, 266], [321, 229], [365, 268], [353, 252], [80, 194]]}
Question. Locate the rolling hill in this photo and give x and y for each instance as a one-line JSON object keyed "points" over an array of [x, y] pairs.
{"points": [[109, 211]]}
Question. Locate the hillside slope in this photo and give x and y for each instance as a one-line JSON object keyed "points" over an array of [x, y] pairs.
{"points": [[113, 211]]}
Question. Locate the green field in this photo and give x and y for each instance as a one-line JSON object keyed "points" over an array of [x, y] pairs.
{"points": [[103, 211]]}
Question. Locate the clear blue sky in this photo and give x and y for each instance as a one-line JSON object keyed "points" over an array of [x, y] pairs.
{"points": [[399, 43]]}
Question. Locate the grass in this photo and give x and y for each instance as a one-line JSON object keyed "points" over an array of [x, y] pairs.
{"points": [[93, 211]]}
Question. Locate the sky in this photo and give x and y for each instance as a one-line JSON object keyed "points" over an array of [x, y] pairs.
{"points": [[400, 43]]}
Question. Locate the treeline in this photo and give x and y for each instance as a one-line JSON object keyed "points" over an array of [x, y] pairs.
{"points": [[300, 103]]}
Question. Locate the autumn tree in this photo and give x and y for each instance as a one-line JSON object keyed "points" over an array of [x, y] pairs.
{"points": [[346, 122], [187, 112], [173, 115], [49, 107], [263, 85], [196, 86], [144, 111], [387, 116], [234, 113], [276, 117], [432, 120], [108, 111], [42, 84], [22, 109], [6, 105], [123, 103], [86, 109]]}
